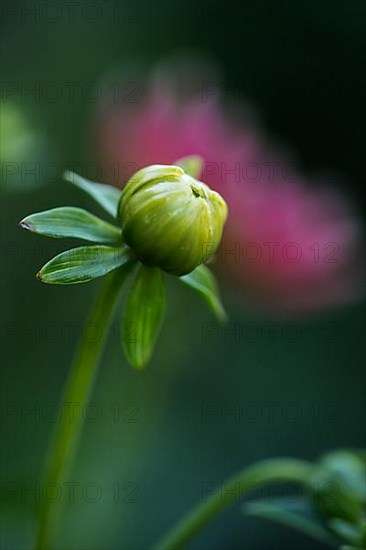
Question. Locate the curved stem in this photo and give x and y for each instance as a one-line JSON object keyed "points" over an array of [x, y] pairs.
{"points": [[77, 391], [265, 471]]}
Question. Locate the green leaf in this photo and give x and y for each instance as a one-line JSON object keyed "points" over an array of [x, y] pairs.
{"points": [[72, 222], [105, 195], [348, 469], [83, 264], [192, 165], [143, 316], [298, 516], [348, 532], [203, 282]]}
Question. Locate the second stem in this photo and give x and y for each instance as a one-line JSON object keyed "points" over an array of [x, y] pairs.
{"points": [[77, 390]]}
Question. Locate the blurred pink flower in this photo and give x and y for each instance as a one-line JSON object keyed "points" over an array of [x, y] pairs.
{"points": [[291, 246]]}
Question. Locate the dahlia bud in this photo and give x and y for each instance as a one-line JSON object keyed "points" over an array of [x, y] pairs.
{"points": [[170, 219]]}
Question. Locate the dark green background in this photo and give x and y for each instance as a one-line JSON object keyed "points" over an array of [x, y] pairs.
{"points": [[301, 63]]}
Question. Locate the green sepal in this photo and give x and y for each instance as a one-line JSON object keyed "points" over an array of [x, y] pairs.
{"points": [[80, 265], [192, 165], [74, 222], [107, 196], [204, 283], [143, 316]]}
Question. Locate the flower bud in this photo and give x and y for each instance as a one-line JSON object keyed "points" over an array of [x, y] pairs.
{"points": [[171, 220]]}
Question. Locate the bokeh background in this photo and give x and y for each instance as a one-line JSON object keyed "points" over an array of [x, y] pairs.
{"points": [[161, 434]]}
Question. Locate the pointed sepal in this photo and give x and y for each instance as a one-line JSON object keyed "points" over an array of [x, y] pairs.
{"points": [[74, 222], [80, 265], [143, 316], [192, 165], [107, 196], [204, 283]]}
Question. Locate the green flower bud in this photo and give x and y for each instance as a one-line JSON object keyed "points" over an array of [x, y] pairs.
{"points": [[171, 220]]}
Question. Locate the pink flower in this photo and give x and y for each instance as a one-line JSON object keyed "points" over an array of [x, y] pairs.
{"points": [[290, 245]]}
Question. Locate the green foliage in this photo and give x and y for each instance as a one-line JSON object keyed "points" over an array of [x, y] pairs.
{"points": [[336, 497], [297, 516]]}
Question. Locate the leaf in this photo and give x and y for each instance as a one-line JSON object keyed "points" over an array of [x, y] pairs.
{"points": [[192, 165], [298, 516], [348, 532], [203, 282], [348, 469], [143, 316], [72, 222], [83, 264], [105, 195]]}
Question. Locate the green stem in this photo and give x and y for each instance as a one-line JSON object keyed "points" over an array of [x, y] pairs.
{"points": [[77, 391], [266, 471]]}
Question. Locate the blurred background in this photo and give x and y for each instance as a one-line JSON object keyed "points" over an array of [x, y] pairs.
{"points": [[103, 87]]}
